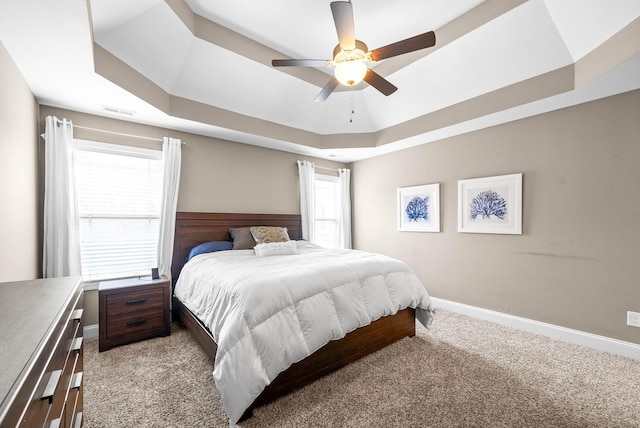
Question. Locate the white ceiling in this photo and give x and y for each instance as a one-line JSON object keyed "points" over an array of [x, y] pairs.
{"points": [[209, 69]]}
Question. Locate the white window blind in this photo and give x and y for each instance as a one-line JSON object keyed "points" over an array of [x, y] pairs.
{"points": [[118, 190], [327, 193]]}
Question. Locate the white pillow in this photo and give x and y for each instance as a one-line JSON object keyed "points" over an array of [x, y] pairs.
{"points": [[276, 249]]}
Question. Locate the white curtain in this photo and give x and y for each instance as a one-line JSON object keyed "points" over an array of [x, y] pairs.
{"points": [[61, 248], [171, 160], [307, 199], [344, 227]]}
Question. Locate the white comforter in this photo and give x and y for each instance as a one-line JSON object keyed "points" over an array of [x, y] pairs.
{"points": [[267, 313]]}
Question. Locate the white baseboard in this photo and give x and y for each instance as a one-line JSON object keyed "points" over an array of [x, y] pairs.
{"points": [[594, 341], [90, 331]]}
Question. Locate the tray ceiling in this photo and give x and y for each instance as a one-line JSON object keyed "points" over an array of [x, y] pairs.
{"points": [[204, 67]]}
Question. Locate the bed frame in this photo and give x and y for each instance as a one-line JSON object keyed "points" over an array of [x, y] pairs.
{"points": [[195, 228]]}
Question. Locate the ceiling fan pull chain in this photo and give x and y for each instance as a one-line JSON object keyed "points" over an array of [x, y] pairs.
{"points": [[351, 109]]}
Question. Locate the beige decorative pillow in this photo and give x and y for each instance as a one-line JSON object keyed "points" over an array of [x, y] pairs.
{"points": [[268, 234]]}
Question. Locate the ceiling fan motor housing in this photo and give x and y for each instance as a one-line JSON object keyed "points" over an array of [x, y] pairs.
{"points": [[360, 53]]}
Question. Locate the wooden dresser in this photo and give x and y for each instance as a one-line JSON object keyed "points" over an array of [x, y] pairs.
{"points": [[41, 353], [133, 309]]}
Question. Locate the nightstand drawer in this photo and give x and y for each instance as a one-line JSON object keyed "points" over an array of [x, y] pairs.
{"points": [[135, 302], [131, 325]]}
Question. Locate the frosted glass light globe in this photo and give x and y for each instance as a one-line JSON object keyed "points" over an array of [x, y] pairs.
{"points": [[350, 73]]}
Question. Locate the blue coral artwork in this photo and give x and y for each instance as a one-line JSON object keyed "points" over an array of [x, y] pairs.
{"points": [[486, 204], [490, 204], [419, 208]]}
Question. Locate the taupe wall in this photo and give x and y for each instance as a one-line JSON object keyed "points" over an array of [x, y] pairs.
{"points": [[216, 175], [19, 214], [577, 263]]}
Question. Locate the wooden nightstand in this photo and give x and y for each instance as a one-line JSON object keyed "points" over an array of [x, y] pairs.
{"points": [[133, 309]]}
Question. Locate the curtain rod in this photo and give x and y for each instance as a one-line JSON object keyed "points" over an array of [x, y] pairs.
{"points": [[119, 133]]}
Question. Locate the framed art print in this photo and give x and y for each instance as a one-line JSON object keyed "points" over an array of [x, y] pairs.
{"points": [[419, 208], [490, 205]]}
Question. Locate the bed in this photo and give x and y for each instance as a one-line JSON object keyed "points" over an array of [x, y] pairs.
{"points": [[193, 229]]}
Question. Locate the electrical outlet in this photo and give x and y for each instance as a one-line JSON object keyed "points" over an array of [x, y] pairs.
{"points": [[633, 319]]}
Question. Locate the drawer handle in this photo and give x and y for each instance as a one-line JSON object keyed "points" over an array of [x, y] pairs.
{"points": [[76, 344], [50, 390], [54, 423], [136, 322], [77, 314], [76, 381], [78, 420], [136, 301]]}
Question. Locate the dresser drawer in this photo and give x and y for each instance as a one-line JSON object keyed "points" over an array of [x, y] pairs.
{"points": [[39, 410], [67, 366], [135, 302]]}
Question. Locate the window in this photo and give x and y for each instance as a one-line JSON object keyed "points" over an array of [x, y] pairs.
{"points": [[327, 194], [119, 192]]}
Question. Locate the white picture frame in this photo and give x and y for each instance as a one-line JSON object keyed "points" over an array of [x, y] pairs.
{"points": [[419, 208], [490, 205]]}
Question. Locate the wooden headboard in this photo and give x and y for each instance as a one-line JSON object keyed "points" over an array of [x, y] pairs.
{"points": [[195, 228]]}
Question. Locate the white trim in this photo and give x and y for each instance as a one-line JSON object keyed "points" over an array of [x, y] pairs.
{"points": [[90, 331], [117, 149], [594, 341], [326, 177], [90, 285]]}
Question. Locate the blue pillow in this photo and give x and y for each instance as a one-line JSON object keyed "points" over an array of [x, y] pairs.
{"points": [[210, 247]]}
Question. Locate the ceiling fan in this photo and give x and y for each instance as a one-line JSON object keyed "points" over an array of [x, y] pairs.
{"points": [[350, 56]]}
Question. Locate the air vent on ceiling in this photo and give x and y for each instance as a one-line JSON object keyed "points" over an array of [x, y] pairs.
{"points": [[116, 110]]}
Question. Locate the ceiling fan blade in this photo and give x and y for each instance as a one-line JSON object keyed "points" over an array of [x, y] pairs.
{"points": [[300, 63], [343, 18], [415, 43], [327, 90], [379, 82]]}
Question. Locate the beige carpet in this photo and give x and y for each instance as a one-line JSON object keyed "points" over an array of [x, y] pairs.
{"points": [[462, 372]]}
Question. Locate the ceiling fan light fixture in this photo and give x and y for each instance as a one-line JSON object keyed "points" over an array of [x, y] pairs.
{"points": [[351, 56], [351, 72]]}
